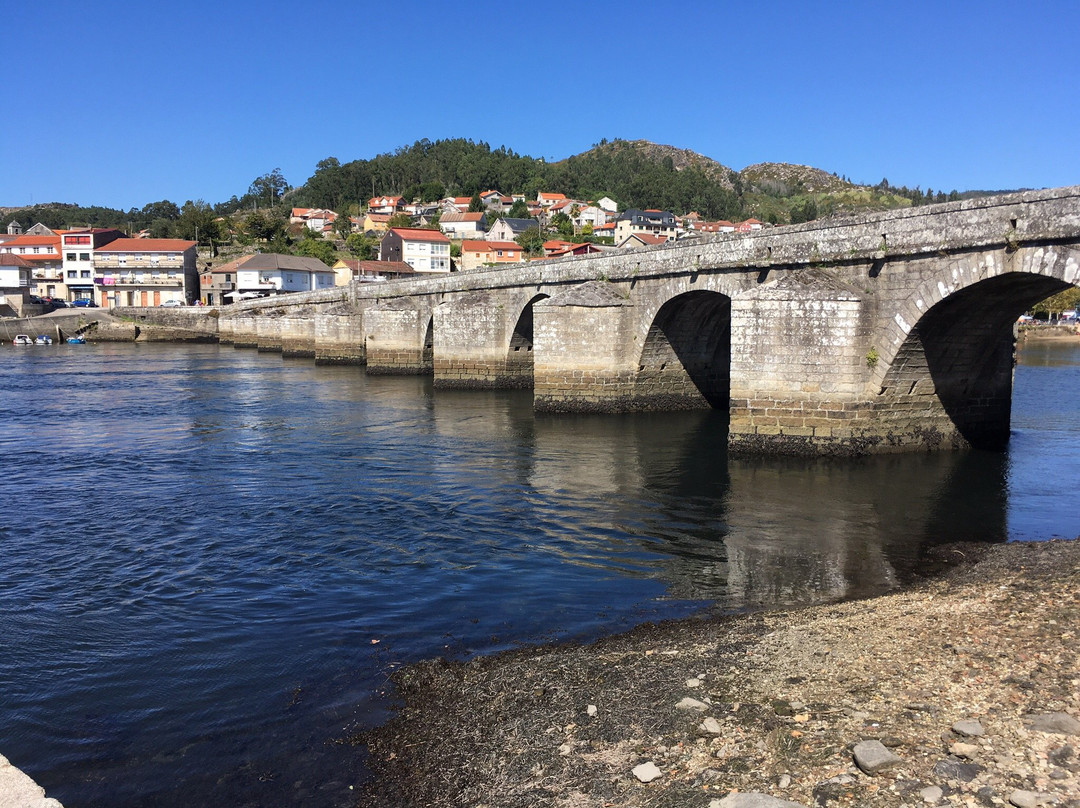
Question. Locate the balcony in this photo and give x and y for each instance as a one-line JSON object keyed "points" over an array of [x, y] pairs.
{"points": [[131, 280]]}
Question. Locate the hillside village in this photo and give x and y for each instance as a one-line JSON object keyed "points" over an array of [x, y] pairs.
{"points": [[43, 268]]}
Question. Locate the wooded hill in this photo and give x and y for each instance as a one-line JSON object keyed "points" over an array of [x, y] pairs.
{"points": [[637, 174]]}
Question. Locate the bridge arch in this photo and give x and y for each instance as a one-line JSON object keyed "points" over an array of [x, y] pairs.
{"points": [[953, 366], [685, 360], [519, 357]]}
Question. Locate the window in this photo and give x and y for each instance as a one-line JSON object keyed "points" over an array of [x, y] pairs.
{"points": [[71, 256], [85, 273], [84, 256], [228, 278], [76, 239], [72, 273]]}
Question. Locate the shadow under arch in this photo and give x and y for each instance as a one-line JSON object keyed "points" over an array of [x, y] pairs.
{"points": [[519, 357], [959, 357], [686, 359], [427, 351]]}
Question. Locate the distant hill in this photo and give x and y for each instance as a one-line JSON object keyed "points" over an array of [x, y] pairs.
{"points": [[636, 173]]}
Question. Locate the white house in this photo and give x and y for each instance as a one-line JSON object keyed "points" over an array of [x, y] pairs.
{"points": [[271, 274], [463, 225], [423, 250]]}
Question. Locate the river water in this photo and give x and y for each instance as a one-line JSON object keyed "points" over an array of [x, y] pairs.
{"points": [[210, 559]]}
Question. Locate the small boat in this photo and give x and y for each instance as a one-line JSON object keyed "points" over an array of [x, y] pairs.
{"points": [[76, 341], [43, 340], [22, 339]]}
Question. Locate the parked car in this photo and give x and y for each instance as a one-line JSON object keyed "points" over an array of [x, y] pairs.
{"points": [[85, 303], [171, 304], [37, 301], [57, 303]]}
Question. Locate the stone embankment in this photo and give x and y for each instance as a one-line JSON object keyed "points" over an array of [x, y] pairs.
{"points": [[17, 790], [963, 690]]}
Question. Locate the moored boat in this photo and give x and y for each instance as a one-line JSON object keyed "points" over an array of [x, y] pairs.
{"points": [[22, 339]]}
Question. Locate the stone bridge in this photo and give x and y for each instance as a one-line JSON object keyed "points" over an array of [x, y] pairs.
{"points": [[887, 332]]}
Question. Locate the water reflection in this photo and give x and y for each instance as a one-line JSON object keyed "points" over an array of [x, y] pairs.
{"points": [[220, 528]]}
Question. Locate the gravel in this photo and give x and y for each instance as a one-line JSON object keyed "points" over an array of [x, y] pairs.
{"points": [[988, 644]]}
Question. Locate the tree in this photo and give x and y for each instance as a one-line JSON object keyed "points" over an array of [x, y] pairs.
{"points": [[343, 225], [159, 210], [263, 226], [519, 210], [269, 187], [805, 211], [475, 205], [531, 241], [1055, 304], [400, 220], [361, 246], [318, 248], [198, 222]]}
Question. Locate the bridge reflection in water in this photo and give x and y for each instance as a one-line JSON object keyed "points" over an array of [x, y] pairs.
{"points": [[661, 487]]}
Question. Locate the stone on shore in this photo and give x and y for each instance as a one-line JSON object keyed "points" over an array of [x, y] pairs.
{"points": [[1029, 799], [969, 728], [964, 750], [1058, 723], [711, 726], [753, 799], [647, 772], [17, 790], [692, 704], [932, 794], [873, 756]]}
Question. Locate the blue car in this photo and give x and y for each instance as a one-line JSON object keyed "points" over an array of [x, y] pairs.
{"points": [[85, 303]]}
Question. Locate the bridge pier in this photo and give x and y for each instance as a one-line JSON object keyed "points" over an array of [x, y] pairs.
{"points": [[225, 330], [245, 331], [268, 333], [470, 346], [398, 340], [799, 368], [583, 362], [297, 335], [339, 336]]}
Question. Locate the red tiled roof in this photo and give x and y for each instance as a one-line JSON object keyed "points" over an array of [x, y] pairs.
{"points": [[13, 260], [134, 245], [32, 241], [473, 245], [462, 217], [378, 267], [417, 234], [647, 238]]}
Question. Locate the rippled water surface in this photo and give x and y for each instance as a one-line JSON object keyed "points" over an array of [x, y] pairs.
{"points": [[210, 559]]}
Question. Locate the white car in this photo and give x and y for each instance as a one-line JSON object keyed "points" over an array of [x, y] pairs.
{"points": [[171, 304]]}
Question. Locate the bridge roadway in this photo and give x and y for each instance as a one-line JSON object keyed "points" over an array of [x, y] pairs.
{"points": [[886, 332]]}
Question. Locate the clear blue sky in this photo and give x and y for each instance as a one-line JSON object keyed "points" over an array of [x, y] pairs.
{"points": [[122, 104]]}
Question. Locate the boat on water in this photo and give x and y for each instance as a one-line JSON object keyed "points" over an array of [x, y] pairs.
{"points": [[22, 339], [76, 341], [43, 340]]}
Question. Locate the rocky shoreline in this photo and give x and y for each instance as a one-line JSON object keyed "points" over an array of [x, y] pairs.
{"points": [[963, 690]]}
